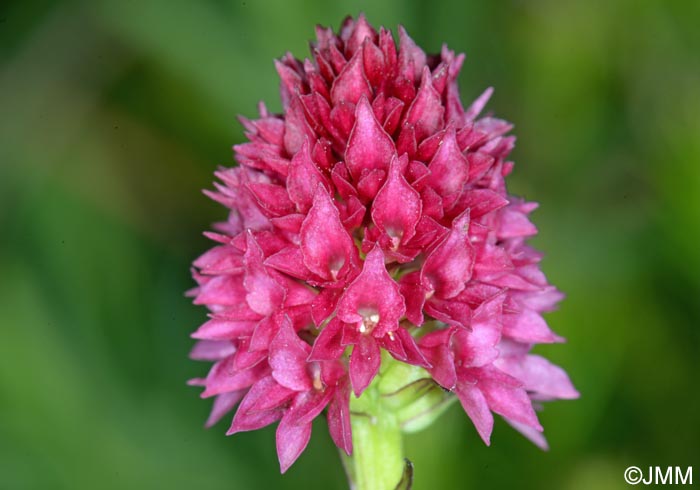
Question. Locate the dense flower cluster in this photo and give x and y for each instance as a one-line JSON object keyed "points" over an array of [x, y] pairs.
{"points": [[372, 215]]}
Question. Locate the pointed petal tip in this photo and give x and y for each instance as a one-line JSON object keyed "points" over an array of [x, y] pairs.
{"points": [[573, 394], [534, 435], [291, 441], [479, 104]]}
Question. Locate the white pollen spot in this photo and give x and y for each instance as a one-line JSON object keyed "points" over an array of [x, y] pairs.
{"points": [[391, 335], [315, 372], [368, 322]]}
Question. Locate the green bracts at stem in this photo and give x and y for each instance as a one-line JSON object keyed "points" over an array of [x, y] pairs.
{"points": [[402, 398]]}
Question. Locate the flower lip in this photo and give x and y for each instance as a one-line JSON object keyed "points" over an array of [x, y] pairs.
{"points": [[372, 301]]}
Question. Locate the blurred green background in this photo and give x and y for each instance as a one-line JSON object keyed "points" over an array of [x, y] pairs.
{"points": [[113, 116]]}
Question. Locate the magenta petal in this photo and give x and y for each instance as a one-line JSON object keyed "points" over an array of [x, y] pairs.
{"points": [[515, 224], [393, 345], [273, 199], [505, 399], [291, 441], [288, 355], [539, 376], [369, 183], [542, 301], [374, 62], [333, 372], [528, 327], [477, 346], [223, 377], [246, 358], [406, 143], [328, 249], [304, 178], [223, 404], [296, 127], [364, 363], [362, 33], [409, 348], [247, 419], [448, 168], [310, 404], [414, 295], [327, 346], [290, 81], [387, 45], [240, 312], [492, 126], [482, 201], [479, 164], [339, 419], [324, 305], [429, 146], [352, 82], [397, 207], [426, 112], [479, 104], [264, 332], [369, 147], [394, 109], [298, 294], [253, 420], [211, 350], [474, 403], [351, 335], [290, 260], [223, 259], [535, 436], [354, 213], [451, 312], [340, 175], [491, 260], [216, 329], [432, 204], [290, 223], [449, 266], [265, 295], [276, 397], [435, 347], [342, 118], [224, 290], [412, 59]]}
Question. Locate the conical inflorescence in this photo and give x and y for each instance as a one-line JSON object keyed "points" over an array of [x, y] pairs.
{"points": [[372, 216]]}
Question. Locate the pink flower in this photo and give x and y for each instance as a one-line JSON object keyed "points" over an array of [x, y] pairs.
{"points": [[372, 215]]}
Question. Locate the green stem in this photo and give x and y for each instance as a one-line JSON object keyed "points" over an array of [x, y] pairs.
{"points": [[377, 451], [401, 398], [377, 461]]}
